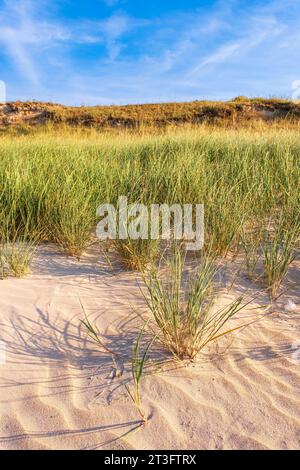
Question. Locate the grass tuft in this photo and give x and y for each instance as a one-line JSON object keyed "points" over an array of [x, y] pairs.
{"points": [[183, 308]]}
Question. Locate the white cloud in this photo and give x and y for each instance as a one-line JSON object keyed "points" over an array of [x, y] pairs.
{"points": [[223, 53], [113, 28], [20, 31], [253, 32], [23, 35]]}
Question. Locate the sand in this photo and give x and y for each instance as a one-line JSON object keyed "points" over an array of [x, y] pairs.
{"points": [[59, 391]]}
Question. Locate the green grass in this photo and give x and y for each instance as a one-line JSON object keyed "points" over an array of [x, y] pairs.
{"points": [[184, 306], [279, 250], [272, 245], [138, 362], [137, 254], [16, 256], [18, 241], [52, 182]]}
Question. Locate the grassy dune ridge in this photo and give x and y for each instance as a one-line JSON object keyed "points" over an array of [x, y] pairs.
{"points": [[241, 110]]}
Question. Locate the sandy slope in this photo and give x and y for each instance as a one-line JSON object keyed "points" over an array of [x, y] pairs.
{"points": [[57, 390]]}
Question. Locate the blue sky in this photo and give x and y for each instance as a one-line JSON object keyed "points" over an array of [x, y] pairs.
{"points": [[133, 51]]}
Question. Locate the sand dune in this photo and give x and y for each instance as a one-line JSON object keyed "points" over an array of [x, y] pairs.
{"points": [[58, 390]]}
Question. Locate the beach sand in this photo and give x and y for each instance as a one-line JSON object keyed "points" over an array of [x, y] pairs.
{"points": [[58, 390]]}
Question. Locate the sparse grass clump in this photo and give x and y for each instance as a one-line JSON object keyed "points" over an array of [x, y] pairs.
{"points": [[16, 256], [270, 247], [183, 306], [137, 254], [17, 245], [138, 363], [279, 251]]}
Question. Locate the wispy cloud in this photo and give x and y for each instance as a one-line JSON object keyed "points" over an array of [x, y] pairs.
{"points": [[113, 29], [23, 34], [222, 53], [111, 3], [252, 33]]}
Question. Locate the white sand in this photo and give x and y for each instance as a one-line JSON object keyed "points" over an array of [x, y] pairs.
{"points": [[57, 389]]}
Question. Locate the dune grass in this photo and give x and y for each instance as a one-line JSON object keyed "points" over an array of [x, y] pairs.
{"points": [[16, 256], [137, 254], [239, 111], [55, 180], [272, 245], [18, 241], [279, 250], [138, 362], [184, 307]]}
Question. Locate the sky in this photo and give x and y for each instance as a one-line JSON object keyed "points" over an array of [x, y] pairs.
{"points": [[89, 52]]}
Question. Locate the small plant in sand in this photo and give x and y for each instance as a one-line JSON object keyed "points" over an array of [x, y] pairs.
{"points": [[17, 250], [184, 311], [138, 363], [94, 334], [2, 265], [17, 256], [251, 238], [279, 251], [73, 235], [137, 254]]}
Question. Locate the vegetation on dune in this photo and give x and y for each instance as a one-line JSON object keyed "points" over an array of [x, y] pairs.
{"points": [[137, 254], [239, 110], [53, 178], [138, 362], [53, 182], [184, 309]]}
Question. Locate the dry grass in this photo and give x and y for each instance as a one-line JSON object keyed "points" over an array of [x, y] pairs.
{"points": [[238, 111]]}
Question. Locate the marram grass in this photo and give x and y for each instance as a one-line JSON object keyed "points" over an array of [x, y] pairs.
{"points": [[52, 182], [184, 306]]}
